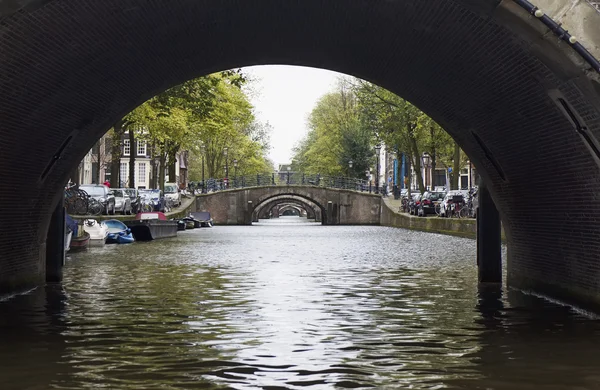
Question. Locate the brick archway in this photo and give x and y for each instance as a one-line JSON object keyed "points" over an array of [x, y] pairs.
{"points": [[521, 103]]}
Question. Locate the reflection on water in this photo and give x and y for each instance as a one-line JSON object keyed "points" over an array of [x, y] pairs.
{"points": [[289, 304]]}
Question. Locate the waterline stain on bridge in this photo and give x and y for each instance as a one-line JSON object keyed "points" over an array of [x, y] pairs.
{"points": [[290, 304]]}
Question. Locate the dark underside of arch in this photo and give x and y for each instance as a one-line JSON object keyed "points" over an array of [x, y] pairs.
{"points": [[70, 68]]}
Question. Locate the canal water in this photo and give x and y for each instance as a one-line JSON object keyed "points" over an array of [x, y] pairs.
{"points": [[288, 304]]}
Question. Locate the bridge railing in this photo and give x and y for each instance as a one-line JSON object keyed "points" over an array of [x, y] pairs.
{"points": [[283, 179]]}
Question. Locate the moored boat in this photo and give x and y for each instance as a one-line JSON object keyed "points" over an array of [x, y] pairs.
{"points": [[151, 226], [204, 218], [97, 232], [118, 232], [180, 224], [191, 222], [81, 242]]}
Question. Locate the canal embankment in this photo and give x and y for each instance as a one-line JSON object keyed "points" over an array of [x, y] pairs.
{"points": [[392, 216], [461, 227]]}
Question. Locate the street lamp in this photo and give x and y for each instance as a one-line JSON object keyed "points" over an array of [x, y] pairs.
{"points": [[203, 151], [235, 165], [289, 168], [377, 151], [426, 159]]}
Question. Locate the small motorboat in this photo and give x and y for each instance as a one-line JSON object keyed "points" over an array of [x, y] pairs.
{"points": [[197, 223], [97, 232], [118, 232], [189, 223], [204, 218], [80, 242], [152, 225]]}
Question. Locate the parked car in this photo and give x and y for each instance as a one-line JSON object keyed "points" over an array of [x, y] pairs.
{"points": [[452, 196], [428, 202], [413, 204], [102, 194], [172, 192], [153, 200], [134, 197], [122, 201]]}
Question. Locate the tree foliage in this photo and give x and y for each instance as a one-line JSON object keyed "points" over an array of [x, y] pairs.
{"points": [[207, 116], [346, 124]]}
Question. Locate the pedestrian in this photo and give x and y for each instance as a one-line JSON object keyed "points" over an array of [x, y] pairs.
{"points": [[107, 183]]}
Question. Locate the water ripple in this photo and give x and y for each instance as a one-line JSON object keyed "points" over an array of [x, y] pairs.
{"points": [[287, 305]]}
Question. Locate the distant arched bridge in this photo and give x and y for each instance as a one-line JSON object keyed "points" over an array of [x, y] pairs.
{"points": [[333, 206]]}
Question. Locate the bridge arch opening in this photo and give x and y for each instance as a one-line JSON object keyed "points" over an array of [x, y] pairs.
{"points": [[517, 100], [314, 209]]}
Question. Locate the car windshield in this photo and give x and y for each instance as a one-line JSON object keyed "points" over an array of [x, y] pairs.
{"points": [[436, 195], [93, 190], [118, 193], [170, 189]]}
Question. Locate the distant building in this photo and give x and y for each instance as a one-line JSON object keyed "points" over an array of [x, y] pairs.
{"points": [[96, 165]]}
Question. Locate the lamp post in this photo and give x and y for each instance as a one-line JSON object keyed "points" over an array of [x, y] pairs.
{"points": [[289, 168], [203, 151], [426, 159], [377, 151], [226, 168], [235, 165]]}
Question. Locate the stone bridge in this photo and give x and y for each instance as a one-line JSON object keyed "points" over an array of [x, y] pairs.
{"points": [[328, 205], [504, 78]]}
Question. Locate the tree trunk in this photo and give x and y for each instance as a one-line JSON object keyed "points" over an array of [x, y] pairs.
{"points": [[132, 153], [456, 168], [75, 173], [116, 152], [161, 171], [417, 163], [172, 162]]}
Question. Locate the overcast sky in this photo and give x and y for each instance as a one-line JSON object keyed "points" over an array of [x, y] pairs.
{"points": [[284, 96]]}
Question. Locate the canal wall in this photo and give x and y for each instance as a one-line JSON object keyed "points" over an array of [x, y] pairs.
{"points": [[465, 227]]}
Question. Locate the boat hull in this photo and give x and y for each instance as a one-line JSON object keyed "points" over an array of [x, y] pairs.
{"points": [[152, 229], [80, 243]]}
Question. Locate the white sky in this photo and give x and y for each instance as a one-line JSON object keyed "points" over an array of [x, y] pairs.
{"points": [[284, 96]]}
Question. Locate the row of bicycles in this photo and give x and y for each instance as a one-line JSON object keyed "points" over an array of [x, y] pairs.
{"points": [[454, 204], [79, 202]]}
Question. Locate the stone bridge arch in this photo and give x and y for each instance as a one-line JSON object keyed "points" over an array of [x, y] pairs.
{"points": [[315, 210], [520, 98]]}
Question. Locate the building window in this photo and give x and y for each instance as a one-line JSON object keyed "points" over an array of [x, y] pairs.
{"points": [[141, 148], [123, 173], [142, 172], [126, 147]]}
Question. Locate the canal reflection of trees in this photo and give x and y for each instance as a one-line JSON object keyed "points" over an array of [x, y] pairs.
{"points": [[140, 320]]}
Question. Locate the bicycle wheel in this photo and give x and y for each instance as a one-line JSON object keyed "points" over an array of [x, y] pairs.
{"points": [[464, 212], [94, 207]]}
